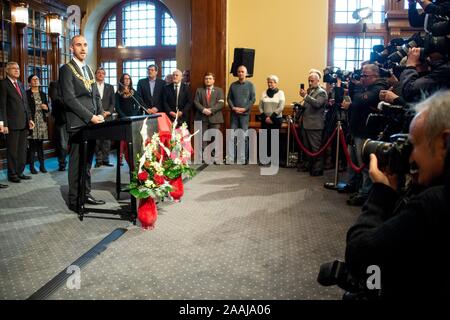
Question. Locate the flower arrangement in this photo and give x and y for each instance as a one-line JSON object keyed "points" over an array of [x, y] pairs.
{"points": [[162, 162]]}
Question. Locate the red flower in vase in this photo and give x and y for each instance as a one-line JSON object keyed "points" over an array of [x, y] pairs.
{"points": [[143, 176], [159, 180]]}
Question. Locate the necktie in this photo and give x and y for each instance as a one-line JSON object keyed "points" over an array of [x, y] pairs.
{"points": [[208, 95], [16, 85], [86, 75], [176, 94]]}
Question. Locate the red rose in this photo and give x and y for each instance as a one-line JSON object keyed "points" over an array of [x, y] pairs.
{"points": [[143, 176], [159, 180]]}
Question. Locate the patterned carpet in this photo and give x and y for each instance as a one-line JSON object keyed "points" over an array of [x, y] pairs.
{"points": [[235, 235]]}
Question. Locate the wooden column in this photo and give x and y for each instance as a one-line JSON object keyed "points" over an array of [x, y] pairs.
{"points": [[208, 45]]}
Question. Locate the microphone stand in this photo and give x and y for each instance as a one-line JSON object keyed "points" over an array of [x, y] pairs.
{"points": [[135, 100]]}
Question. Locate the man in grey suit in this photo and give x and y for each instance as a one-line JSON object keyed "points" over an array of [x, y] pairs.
{"points": [[314, 102], [209, 102], [15, 116], [108, 99], [82, 102], [150, 90]]}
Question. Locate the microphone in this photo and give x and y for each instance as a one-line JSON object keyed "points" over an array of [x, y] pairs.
{"points": [[135, 100]]}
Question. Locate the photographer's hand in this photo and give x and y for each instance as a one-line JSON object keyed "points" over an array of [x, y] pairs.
{"points": [[413, 57], [388, 96], [303, 93], [378, 176]]}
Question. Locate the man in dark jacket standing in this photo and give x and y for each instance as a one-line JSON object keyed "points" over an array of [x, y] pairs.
{"points": [[108, 100], [83, 106], [16, 117], [150, 90], [365, 102], [177, 98]]}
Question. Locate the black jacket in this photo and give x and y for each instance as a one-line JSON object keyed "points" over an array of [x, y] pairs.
{"points": [[416, 87], [80, 103], [57, 108], [155, 100], [365, 101], [32, 103], [14, 110], [408, 240], [184, 101]]}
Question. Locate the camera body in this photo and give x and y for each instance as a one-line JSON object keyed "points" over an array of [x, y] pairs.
{"points": [[392, 156]]}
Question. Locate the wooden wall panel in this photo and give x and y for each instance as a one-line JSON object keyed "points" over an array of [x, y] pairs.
{"points": [[208, 43]]}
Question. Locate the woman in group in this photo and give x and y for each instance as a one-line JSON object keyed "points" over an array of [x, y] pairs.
{"points": [[37, 101], [127, 105], [271, 106]]}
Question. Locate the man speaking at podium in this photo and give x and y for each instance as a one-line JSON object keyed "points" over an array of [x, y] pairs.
{"points": [[83, 106]]}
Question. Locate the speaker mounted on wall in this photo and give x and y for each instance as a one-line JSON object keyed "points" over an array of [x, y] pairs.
{"points": [[243, 57]]}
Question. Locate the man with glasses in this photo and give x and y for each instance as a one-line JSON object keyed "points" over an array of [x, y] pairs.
{"points": [[365, 101], [150, 89]]}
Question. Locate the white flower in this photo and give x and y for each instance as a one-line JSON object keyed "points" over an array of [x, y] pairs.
{"points": [[148, 183], [177, 161]]}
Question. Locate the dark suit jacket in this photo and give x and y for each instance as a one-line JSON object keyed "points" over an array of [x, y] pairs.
{"points": [[143, 90], [108, 100], [14, 110], [184, 100], [32, 103], [216, 103], [80, 103], [57, 108]]}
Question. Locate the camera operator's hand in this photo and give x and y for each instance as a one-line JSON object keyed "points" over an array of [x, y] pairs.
{"points": [[388, 96], [378, 176], [413, 57], [303, 93]]}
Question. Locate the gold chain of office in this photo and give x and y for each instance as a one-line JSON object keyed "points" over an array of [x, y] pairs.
{"points": [[87, 82]]}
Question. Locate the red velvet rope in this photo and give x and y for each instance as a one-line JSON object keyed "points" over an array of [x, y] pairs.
{"points": [[309, 153], [347, 154]]}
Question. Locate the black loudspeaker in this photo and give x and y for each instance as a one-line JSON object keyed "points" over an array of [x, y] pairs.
{"points": [[243, 57]]}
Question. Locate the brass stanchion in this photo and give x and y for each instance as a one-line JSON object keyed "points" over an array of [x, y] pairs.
{"points": [[336, 185]]}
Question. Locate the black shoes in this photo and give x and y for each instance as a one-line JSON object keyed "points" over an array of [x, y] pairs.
{"points": [[62, 168], [17, 179], [43, 170], [107, 164], [73, 207], [3, 186], [33, 170], [348, 188], [91, 200], [98, 164], [14, 179], [356, 200]]}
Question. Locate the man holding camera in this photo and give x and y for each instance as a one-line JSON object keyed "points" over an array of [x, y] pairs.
{"points": [[314, 102], [365, 102], [408, 238]]}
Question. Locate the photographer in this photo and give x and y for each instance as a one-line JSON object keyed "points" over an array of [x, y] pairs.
{"points": [[408, 238], [417, 20], [414, 86], [314, 102], [365, 101]]}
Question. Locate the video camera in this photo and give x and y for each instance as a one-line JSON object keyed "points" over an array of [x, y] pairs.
{"points": [[332, 74]]}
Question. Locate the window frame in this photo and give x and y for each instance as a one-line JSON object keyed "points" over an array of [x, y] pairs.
{"points": [[353, 30], [158, 52]]}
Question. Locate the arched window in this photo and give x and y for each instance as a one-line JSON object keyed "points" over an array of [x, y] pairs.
{"points": [[135, 34]]}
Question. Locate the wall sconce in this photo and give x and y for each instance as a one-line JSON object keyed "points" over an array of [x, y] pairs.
{"points": [[20, 14], [54, 24]]}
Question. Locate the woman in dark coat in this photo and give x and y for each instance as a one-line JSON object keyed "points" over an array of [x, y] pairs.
{"points": [[37, 101]]}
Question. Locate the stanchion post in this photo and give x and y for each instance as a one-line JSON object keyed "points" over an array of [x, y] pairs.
{"points": [[288, 140], [336, 185]]}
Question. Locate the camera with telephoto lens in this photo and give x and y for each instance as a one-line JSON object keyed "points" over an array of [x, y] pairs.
{"points": [[332, 74], [389, 120], [392, 156]]}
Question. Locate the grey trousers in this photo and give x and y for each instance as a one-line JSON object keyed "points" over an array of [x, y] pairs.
{"points": [[312, 139]]}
